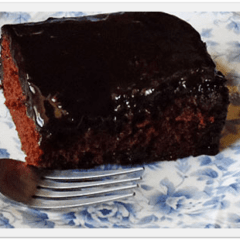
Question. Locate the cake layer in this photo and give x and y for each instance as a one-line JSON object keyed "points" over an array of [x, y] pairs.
{"points": [[113, 88]]}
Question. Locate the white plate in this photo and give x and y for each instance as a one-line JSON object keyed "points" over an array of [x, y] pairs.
{"points": [[200, 192]]}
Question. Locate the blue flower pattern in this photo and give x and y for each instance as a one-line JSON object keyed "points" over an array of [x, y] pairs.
{"points": [[36, 219], [187, 193], [4, 222], [235, 26]]}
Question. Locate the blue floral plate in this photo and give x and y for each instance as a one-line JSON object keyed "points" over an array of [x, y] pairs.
{"points": [[194, 192]]}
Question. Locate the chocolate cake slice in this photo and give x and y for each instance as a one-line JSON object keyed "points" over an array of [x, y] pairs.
{"points": [[122, 88]]}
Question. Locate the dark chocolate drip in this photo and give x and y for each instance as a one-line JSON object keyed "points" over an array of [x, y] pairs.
{"points": [[78, 70]]}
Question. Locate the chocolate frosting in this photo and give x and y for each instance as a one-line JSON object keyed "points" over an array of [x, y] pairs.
{"points": [[78, 72]]}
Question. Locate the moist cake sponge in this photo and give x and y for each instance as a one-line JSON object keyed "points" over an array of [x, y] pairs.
{"points": [[121, 88]]}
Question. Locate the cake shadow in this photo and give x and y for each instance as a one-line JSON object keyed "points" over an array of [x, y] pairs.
{"points": [[231, 132]]}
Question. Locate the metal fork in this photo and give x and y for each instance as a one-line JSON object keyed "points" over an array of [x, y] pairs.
{"points": [[70, 189]]}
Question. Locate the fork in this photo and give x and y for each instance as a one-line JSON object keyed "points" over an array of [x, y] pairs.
{"points": [[61, 189]]}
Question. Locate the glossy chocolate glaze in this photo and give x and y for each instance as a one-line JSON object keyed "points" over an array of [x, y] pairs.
{"points": [[96, 73]]}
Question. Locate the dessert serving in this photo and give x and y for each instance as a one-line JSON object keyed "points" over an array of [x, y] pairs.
{"points": [[122, 88]]}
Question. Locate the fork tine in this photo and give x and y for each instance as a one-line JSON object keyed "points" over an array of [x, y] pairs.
{"points": [[74, 185], [68, 189], [61, 204], [76, 175], [71, 194]]}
